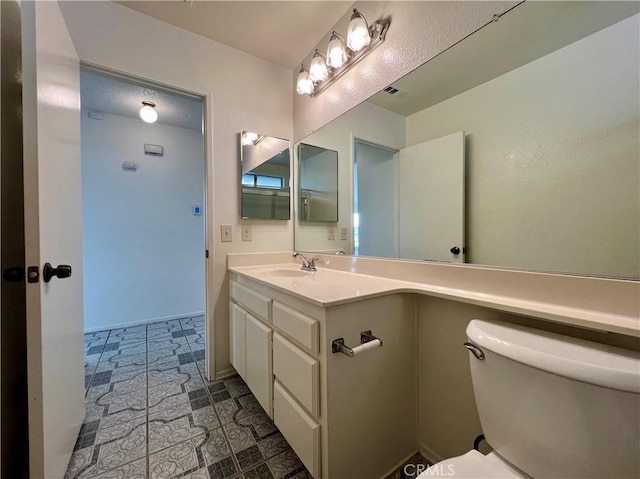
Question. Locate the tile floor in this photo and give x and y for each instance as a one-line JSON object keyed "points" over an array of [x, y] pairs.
{"points": [[151, 413]]}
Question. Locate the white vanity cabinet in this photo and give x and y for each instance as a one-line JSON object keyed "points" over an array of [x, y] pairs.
{"points": [[345, 417], [251, 341]]}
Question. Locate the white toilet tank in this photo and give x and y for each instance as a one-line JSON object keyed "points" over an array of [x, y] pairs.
{"points": [[554, 406]]}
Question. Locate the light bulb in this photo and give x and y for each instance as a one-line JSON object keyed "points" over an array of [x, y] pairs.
{"points": [[358, 35], [304, 84], [336, 51], [148, 112], [318, 68], [249, 138]]}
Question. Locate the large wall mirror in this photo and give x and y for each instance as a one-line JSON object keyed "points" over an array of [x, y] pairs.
{"points": [[518, 147], [266, 175]]}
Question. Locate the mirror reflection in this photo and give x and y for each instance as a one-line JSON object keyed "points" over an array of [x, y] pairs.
{"points": [[518, 147], [266, 176], [318, 183]]}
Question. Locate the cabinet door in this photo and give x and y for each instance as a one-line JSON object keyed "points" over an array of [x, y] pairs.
{"points": [[259, 361], [237, 339]]}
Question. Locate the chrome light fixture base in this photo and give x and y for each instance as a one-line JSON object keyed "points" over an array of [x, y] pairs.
{"points": [[378, 32]]}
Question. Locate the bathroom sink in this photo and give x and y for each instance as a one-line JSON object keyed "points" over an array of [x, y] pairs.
{"points": [[287, 273]]}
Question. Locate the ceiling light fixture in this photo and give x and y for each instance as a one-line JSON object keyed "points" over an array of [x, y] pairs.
{"points": [[341, 56], [305, 83], [148, 112], [318, 70]]}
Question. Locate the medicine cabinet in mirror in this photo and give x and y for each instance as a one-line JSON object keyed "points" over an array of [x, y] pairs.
{"points": [[317, 184], [265, 164], [518, 147]]}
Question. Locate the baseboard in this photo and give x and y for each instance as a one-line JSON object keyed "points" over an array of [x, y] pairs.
{"points": [[398, 465], [429, 455], [143, 321], [225, 373]]}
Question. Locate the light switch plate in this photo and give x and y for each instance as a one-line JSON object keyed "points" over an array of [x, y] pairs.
{"points": [[331, 233], [344, 233], [246, 232], [226, 233]]}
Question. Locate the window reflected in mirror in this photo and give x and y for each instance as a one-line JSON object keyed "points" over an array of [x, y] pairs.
{"points": [[266, 173]]}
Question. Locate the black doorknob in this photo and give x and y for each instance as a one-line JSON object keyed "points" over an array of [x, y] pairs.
{"points": [[455, 250], [62, 271], [14, 274]]}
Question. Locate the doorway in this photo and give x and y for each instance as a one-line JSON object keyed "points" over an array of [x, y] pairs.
{"points": [[144, 232], [375, 199]]}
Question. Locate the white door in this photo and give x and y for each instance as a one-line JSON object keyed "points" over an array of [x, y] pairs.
{"points": [[431, 200], [53, 234]]}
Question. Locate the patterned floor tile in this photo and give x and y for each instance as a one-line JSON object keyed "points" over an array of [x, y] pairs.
{"points": [[287, 464], [116, 453], [127, 338], [165, 343], [133, 470], [147, 394], [260, 472], [240, 437], [166, 395], [115, 402], [174, 461], [273, 445]]}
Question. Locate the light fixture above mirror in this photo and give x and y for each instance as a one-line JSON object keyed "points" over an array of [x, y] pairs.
{"points": [[341, 56]]}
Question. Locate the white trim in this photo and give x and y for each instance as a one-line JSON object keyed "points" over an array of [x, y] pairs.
{"points": [[225, 373], [398, 465], [144, 321]]}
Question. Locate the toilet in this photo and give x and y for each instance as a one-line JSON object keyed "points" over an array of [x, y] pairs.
{"points": [[550, 406]]}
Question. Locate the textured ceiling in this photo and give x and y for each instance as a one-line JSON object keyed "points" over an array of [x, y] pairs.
{"points": [[280, 32], [120, 97]]}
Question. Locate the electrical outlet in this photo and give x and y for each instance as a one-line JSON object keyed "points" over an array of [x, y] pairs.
{"points": [[246, 232], [331, 233], [226, 233], [344, 233]]}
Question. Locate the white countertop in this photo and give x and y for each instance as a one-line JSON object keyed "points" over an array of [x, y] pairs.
{"points": [[330, 287]]}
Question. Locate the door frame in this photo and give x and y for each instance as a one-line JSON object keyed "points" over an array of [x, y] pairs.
{"points": [[359, 139], [207, 134]]}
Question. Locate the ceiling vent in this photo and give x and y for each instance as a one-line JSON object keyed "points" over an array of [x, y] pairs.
{"points": [[395, 91]]}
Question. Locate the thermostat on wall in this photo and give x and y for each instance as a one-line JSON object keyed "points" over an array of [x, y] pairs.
{"points": [[197, 210], [155, 150], [127, 165]]}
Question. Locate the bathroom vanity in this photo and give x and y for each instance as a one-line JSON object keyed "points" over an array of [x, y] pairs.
{"points": [[358, 423], [362, 416]]}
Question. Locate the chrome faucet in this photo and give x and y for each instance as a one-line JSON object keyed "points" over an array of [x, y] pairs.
{"points": [[308, 264]]}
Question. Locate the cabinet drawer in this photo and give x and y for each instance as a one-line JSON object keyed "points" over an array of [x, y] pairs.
{"points": [[298, 428], [302, 328], [251, 300], [298, 372]]}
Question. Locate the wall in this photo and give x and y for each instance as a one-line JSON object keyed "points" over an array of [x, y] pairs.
{"points": [[367, 122], [448, 420], [242, 92], [143, 247], [529, 138], [419, 31]]}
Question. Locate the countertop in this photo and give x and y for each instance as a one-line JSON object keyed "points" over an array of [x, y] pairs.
{"points": [[330, 287]]}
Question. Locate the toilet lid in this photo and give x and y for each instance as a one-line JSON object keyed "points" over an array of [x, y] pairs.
{"points": [[472, 465]]}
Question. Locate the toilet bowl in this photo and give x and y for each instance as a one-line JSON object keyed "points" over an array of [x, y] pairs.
{"points": [[550, 406]]}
